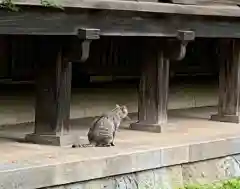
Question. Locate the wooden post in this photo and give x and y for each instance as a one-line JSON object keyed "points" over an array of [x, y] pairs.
{"points": [[229, 82], [53, 88], [153, 90]]}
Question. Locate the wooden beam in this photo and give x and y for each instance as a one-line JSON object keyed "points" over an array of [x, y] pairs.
{"points": [[136, 6], [229, 82], [115, 24], [53, 88], [207, 2]]}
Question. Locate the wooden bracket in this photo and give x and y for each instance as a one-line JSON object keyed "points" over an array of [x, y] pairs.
{"points": [[86, 35], [177, 48]]}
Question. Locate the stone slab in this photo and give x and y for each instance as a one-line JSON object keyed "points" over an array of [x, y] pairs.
{"points": [[192, 140], [49, 172]]}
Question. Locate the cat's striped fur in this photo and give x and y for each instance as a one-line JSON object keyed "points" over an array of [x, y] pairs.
{"points": [[103, 129]]}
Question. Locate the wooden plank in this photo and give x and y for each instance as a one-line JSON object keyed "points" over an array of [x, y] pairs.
{"points": [[156, 1], [229, 82], [153, 7], [112, 23], [153, 90], [5, 57], [207, 2], [53, 90]]}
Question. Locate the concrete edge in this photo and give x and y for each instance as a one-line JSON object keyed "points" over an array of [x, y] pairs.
{"points": [[37, 176]]}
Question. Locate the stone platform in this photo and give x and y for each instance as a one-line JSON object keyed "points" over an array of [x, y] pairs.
{"points": [[192, 149]]}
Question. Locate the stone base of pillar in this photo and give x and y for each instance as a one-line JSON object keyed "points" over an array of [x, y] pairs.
{"points": [[154, 128], [225, 118], [54, 140]]}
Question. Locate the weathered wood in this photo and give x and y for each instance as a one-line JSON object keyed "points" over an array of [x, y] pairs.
{"points": [[4, 56], [22, 57], [115, 24], [153, 7], [79, 47], [53, 88], [207, 2], [153, 90], [116, 56], [229, 82], [154, 84], [175, 49], [155, 1]]}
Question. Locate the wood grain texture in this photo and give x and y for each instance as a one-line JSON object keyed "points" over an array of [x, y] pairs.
{"points": [[53, 89], [229, 78], [153, 89], [114, 56], [136, 6], [22, 56], [207, 2], [115, 24], [229, 81], [5, 57]]}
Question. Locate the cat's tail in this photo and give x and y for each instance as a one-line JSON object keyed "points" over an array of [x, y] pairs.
{"points": [[83, 145]]}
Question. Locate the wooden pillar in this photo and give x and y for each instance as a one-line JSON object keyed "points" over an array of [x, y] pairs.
{"points": [[154, 84], [153, 90], [53, 94], [229, 81]]}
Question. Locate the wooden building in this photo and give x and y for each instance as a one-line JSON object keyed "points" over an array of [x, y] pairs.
{"points": [[154, 33]]}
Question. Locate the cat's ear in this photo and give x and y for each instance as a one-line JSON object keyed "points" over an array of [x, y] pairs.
{"points": [[123, 107], [117, 106]]}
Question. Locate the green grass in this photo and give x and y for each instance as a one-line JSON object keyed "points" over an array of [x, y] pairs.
{"points": [[228, 184]]}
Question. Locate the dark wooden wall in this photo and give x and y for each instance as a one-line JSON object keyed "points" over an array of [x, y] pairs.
{"points": [[109, 56], [113, 56], [16, 57], [5, 58], [23, 57], [201, 58]]}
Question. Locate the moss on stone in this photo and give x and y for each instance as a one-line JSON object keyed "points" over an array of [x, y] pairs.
{"points": [[228, 184]]}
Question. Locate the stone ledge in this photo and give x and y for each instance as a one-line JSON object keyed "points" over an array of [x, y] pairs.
{"points": [[171, 177], [75, 165]]}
